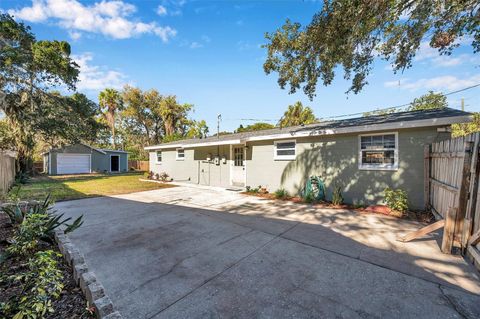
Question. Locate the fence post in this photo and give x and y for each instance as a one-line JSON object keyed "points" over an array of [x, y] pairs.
{"points": [[473, 190], [449, 230], [426, 177], [463, 194]]}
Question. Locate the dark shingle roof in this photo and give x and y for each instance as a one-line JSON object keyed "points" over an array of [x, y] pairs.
{"points": [[351, 122]]}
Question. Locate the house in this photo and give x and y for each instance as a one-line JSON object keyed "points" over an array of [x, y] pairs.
{"points": [[361, 155], [83, 158]]}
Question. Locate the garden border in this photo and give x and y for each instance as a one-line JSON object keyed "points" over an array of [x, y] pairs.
{"points": [[86, 279]]}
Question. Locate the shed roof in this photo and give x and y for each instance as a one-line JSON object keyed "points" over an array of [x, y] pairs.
{"points": [[407, 119]]}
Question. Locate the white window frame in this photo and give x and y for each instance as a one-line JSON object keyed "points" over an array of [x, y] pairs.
{"points": [[156, 157], [379, 167], [176, 154], [284, 157]]}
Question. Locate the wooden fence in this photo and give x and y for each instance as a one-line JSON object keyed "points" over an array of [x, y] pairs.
{"points": [[138, 165], [452, 170], [7, 170]]}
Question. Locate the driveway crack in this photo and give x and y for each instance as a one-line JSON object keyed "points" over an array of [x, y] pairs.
{"points": [[453, 303]]}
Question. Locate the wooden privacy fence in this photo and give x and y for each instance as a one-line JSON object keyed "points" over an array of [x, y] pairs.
{"points": [[7, 170], [452, 170], [138, 165]]}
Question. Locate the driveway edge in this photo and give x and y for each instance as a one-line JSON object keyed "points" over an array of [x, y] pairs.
{"points": [[86, 279]]}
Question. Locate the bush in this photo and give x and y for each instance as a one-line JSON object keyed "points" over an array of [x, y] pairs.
{"points": [[281, 193], [309, 197], [337, 198], [251, 190], [163, 176], [41, 283], [37, 221], [157, 176], [396, 199], [22, 178]]}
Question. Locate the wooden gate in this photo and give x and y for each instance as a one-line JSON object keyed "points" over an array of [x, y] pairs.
{"points": [[452, 178]]}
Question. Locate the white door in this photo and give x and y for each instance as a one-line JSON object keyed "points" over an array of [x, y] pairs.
{"points": [[73, 163], [238, 166]]}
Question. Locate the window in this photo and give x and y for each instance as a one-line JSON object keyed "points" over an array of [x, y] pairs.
{"points": [[285, 150], [159, 156], [379, 151], [180, 154]]}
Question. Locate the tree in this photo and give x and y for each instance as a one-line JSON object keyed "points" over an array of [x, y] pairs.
{"points": [[142, 113], [67, 119], [462, 129], [197, 129], [110, 102], [429, 101], [254, 127], [174, 115], [297, 114], [28, 70], [350, 34], [7, 140]]}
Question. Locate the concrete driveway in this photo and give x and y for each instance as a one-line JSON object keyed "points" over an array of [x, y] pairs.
{"points": [[189, 252]]}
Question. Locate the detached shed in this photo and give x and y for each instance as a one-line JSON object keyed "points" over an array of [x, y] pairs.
{"points": [[82, 158]]}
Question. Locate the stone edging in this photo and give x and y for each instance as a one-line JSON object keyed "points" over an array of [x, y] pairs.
{"points": [[86, 279]]}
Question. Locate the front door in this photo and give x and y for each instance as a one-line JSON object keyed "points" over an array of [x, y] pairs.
{"points": [[114, 163], [238, 166]]}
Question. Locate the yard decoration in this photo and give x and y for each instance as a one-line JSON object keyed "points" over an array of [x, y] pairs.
{"points": [[314, 189]]}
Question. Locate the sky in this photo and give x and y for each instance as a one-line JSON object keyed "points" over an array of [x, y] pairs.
{"points": [[209, 54]]}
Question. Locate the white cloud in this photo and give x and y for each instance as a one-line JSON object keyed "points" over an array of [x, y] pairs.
{"points": [[195, 45], [431, 55], [108, 17], [161, 10], [96, 78], [446, 82]]}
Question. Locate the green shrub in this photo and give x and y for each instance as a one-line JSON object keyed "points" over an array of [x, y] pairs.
{"points": [[251, 190], [281, 193], [31, 230], [36, 221], [40, 283], [309, 197], [337, 198], [396, 199]]}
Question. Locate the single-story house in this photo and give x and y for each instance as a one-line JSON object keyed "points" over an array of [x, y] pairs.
{"points": [[83, 158], [361, 155]]}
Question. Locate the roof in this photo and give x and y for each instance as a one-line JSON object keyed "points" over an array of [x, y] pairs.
{"points": [[100, 150], [113, 151], [407, 119]]}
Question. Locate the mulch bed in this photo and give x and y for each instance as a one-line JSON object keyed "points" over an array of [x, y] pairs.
{"points": [[421, 216], [71, 304]]}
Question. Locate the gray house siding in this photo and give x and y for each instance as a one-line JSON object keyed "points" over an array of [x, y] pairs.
{"points": [[99, 162], [194, 167], [335, 159], [332, 157]]}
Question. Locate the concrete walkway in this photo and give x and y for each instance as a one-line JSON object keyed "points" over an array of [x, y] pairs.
{"points": [[189, 252]]}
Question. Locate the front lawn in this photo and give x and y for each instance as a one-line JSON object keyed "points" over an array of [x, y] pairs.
{"points": [[81, 186]]}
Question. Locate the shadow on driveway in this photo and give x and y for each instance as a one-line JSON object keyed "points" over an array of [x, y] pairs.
{"points": [[241, 258]]}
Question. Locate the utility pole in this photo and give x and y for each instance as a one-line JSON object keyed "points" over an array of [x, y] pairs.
{"points": [[463, 104], [219, 118]]}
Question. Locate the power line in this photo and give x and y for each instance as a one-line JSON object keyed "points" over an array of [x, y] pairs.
{"points": [[359, 113]]}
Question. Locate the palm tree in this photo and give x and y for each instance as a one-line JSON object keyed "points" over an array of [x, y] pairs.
{"points": [[110, 101], [297, 114]]}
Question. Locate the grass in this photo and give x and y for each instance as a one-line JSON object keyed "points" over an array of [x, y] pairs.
{"points": [[81, 186]]}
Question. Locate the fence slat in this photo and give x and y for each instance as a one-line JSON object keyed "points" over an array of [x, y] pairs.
{"points": [[7, 170]]}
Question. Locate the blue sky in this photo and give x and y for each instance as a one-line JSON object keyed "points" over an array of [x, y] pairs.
{"points": [[208, 53]]}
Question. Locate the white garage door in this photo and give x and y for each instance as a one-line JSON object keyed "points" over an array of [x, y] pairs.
{"points": [[73, 163]]}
